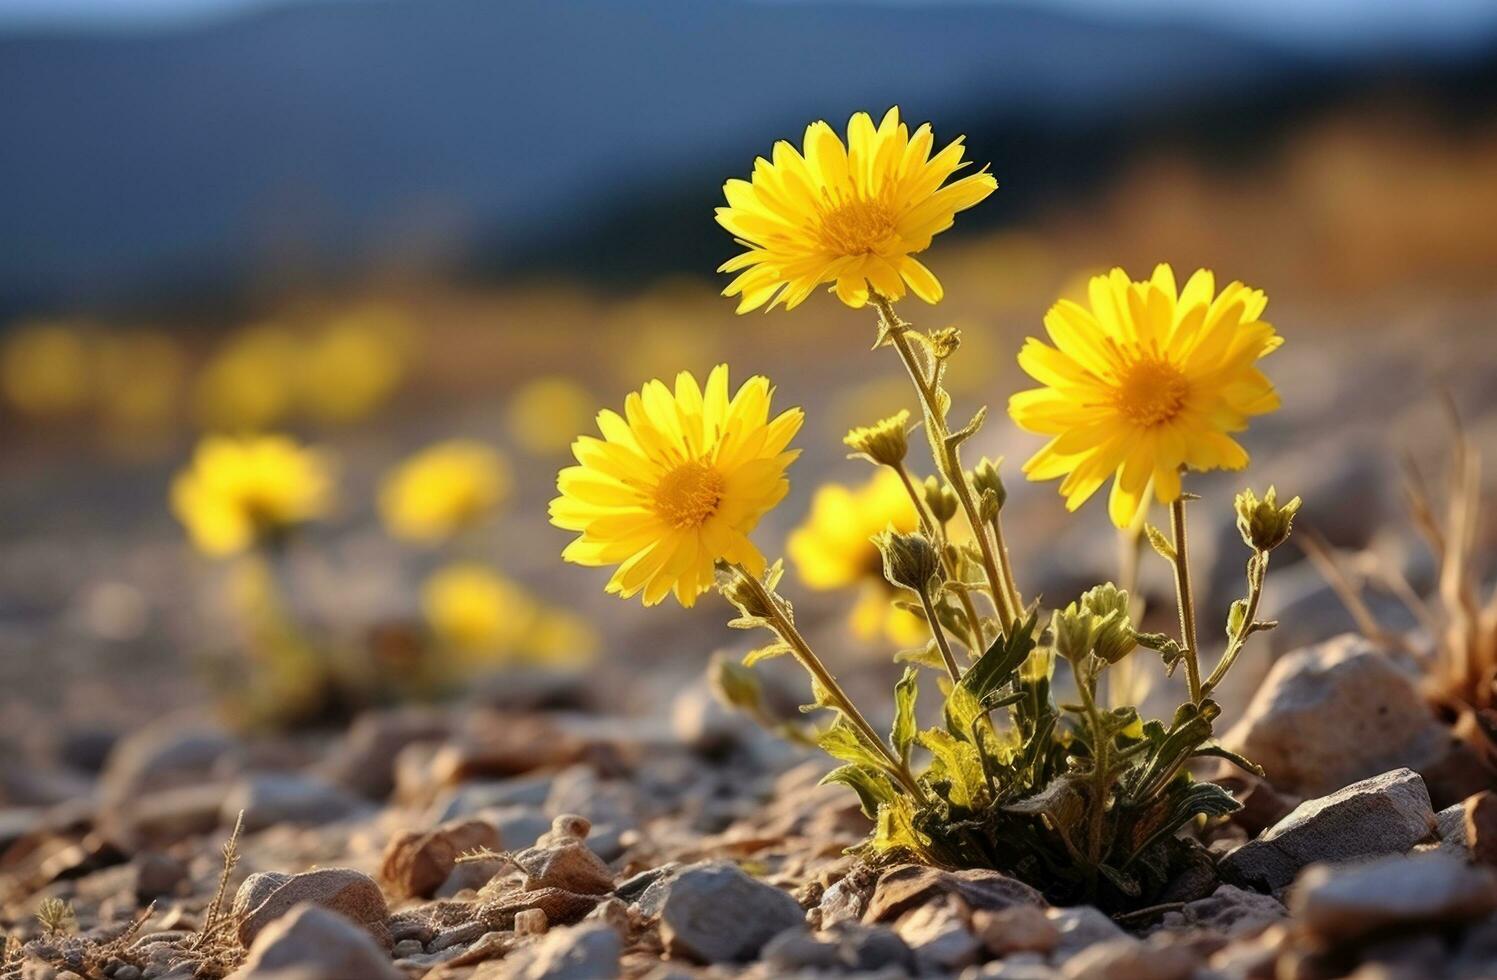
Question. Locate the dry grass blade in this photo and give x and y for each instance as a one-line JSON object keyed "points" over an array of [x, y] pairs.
{"points": [[1322, 556], [212, 920]]}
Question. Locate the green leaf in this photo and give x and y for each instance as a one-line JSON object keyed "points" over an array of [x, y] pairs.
{"points": [[1002, 658], [871, 785], [905, 692], [1160, 543], [926, 656], [843, 742], [1235, 617], [1062, 803], [767, 652], [1184, 802], [895, 829], [957, 761], [1217, 750], [962, 711]]}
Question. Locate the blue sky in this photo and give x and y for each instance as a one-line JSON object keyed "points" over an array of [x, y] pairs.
{"points": [[1309, 22]]}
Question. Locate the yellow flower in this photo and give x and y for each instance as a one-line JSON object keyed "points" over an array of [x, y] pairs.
{"points": [[850, 214], [352, 366], [238, 492], [676, 484], [544, 413], [476, 611], [45, 369], [443, 489], [1148, 381], [250, 382], [833, 549]]}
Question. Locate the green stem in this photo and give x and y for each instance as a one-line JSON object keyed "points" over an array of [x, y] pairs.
{"points": [[1100, 776], [940, 635], [1185, 600], [948, 460], [785, 628], [1239, 639]]}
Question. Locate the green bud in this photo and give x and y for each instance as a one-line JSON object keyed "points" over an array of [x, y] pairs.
{"points": [[885, 443], [749, 599], [941, 499], [910, 560], [1114, 638], [735, 685], [1263, 524], [1073, 629], [985, 479], [944, 342]]}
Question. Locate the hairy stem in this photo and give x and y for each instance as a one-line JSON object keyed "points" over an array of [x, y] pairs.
{"points": [[934, 530], [1185, 600], [1258, 569], [785, 628], [940, 635]]}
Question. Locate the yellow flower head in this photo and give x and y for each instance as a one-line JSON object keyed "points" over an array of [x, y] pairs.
{"points": [[474, 610], [46, 369], [240, 491], [833, 548], [544, 413], [853, 214], [443, 489], [1149, 380], [675, 484]]}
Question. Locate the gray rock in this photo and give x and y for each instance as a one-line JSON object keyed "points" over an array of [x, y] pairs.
{"points": [[847, 946], [714, 913], [1129, 959], [519, 826], [165, 755], [1229, 910], [846, 899], [470, 798], [1349, 902], [268, 799], [363, 761], [1387, 814], [1081, 926], [1337, 712], [588, 951], [905, 886], [267, 896], [322, 942], [939, 937]]}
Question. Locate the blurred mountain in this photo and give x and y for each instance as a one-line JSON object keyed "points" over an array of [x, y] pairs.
{"points": [[317, 139]]}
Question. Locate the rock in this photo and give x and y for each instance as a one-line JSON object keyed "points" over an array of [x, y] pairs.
{"points": [[1349, 902], [1479, 825], [416, 863], [648, 889], [1081, 926], [470, 799], [1020, 929], [1386, 814], [846, 899], [322, 942], [612, 805], [362, 761], [1129, 959], [1231, 911], [847, 947], [164, 755], [939, 937], [798, 949], [714, 913], [156, 876], [163, 817], [531, 922], [570, 866], [269, 799], [588, 951], [1334, 713], [470, 876], [700, 720], [267, 896], [904, 886]]}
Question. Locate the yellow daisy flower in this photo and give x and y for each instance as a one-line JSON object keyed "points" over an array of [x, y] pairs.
{"points": [[1148, 381], [443, 489], [474, 610], [833, 549], [240, 491], [676, 484], [850, 214]]}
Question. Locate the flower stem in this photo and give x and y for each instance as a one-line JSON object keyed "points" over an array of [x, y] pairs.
{"points": [[1185, 600], [1101, 776], [940, 635], [977, 642], [948, 459], [785, 628], [1257, 569]]}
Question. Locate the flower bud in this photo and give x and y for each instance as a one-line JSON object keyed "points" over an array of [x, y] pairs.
{"points": [[944, 342], [941, 500], [735, 685], [884, 443], [751, 598], [1263, 524], [1072, 629], [984, 477], [1113, 638], [910, 560]]}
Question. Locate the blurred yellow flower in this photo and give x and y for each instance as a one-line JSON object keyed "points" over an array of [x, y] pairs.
{"points": [[676, 484], [476, 611], [833, 549], [45, 369], [559, 637], [241, 491], [1145, 382], [351, 368], [141, 376], [853, 214], [544, 414], [251, 382], [443, 489]]}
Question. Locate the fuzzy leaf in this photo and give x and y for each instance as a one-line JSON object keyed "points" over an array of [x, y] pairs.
{"points": [[1217, 750], [905, 692], [1235, 617], [1001, 659], [962, 710], [926, 656], [871, 785], [842, 742], [1182, 803], [1160, 543], [767, 652], [895, 829], [958, 762]]}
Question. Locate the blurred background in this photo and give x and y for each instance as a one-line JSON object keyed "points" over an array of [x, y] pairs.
{"points": [[379, 224]]}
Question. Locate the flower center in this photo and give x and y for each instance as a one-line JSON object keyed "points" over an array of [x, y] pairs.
{"points": [[856, 227], [1151, 392], [688, 495]]}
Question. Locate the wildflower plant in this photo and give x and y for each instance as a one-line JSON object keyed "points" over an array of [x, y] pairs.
{"points": [[1025, 772]]}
